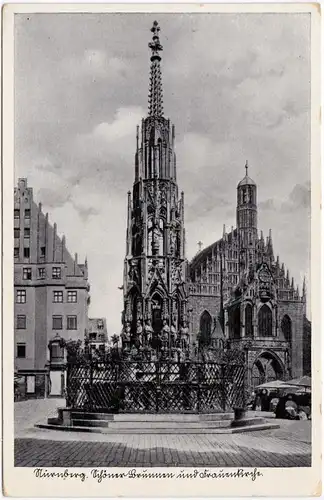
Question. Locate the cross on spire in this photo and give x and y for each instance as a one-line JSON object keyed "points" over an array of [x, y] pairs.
{"points": [[155, 88], [246, 168]]}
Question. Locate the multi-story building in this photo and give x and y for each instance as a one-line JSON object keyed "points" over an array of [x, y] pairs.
{"points": [[97, 334], [51, 290]]}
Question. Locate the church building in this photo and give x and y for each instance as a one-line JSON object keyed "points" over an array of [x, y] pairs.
{"points": [[232, 295], [240, 296]]}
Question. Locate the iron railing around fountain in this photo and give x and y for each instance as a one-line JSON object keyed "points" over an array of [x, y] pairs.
{"points": [[156, 386]]}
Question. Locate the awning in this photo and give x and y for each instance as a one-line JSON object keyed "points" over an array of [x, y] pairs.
{"points": [[304, 381], [273, 384]]}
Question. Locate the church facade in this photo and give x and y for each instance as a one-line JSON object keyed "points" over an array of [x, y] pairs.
{"points": [[233, 294], [241, 296]]}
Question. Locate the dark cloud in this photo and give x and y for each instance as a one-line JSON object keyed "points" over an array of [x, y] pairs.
{"points": [[299, 198], [267, 204], [53, 198], [85, 212]]}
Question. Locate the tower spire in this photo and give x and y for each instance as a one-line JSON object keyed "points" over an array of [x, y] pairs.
{"points": [[155, 104], [246, 168]]}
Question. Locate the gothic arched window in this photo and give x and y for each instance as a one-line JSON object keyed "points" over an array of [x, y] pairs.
{"points": [[286, 327], [265, 321], [149, 236], [248, 321], [161, 242], [205, 327]]}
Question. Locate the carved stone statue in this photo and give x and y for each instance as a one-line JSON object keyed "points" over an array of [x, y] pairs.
{"points": [[148, 333], [173, 334], [165, 333], [126, 335], [139, 334], [184, 335]]}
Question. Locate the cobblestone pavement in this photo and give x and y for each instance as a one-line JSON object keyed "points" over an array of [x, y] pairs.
{"points": [[236, 450], [288, 446]]}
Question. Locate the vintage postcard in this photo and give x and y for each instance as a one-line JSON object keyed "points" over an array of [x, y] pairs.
{"points": [[161, 250]]}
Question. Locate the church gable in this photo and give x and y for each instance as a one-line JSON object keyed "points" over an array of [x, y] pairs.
{"points": [[265, 283]]}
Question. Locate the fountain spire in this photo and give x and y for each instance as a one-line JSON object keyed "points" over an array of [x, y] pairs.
{"points": [[155, 99]]}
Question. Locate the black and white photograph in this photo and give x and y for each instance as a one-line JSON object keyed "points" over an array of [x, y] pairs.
{"points": [[161, 207]]}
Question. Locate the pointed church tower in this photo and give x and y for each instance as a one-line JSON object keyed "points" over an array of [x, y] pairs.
{"points": [[154, 272], [246, 220]]}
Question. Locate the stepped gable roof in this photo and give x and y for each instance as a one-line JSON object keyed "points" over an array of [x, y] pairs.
{"points": [[200, 256]]}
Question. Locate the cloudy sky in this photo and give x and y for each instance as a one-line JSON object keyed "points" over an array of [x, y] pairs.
{"points": [[236, 87]]}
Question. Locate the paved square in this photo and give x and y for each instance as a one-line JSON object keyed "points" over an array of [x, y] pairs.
{"points": [[288, 446]]}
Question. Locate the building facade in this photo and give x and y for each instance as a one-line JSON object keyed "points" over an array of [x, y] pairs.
{"points": [[97, 334], [233, 294], [242, 297], [51, 290]]}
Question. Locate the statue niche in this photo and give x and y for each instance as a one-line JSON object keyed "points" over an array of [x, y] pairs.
{"points": [[157, 304]]}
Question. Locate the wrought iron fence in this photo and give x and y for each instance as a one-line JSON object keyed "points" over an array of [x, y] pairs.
{"points": [[155, 386]]}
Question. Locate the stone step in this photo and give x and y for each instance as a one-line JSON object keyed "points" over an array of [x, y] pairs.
{"points": [[89, 423], [168, 425], [142, 425], [171, 417], [78, 415], [183, 430]]}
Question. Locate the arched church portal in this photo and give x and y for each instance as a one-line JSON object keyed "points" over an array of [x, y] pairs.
{"points": [[205, 327], [267, 367]]}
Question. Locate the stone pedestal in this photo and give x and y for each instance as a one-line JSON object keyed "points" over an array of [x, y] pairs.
{"points": [[242, 420]]}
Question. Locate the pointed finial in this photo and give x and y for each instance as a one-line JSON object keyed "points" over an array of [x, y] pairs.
{"points": [[200, 244], [297, 291], [292, 282], [246, 168], [278, 260], [304, 286], [155, 45], [261, 238], [155, 90]]}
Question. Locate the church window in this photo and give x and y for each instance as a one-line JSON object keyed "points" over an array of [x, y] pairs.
{"points": [[205, 328], [286, 327], [235, 323], [161, 243], [265, 321], [248, 321]]}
